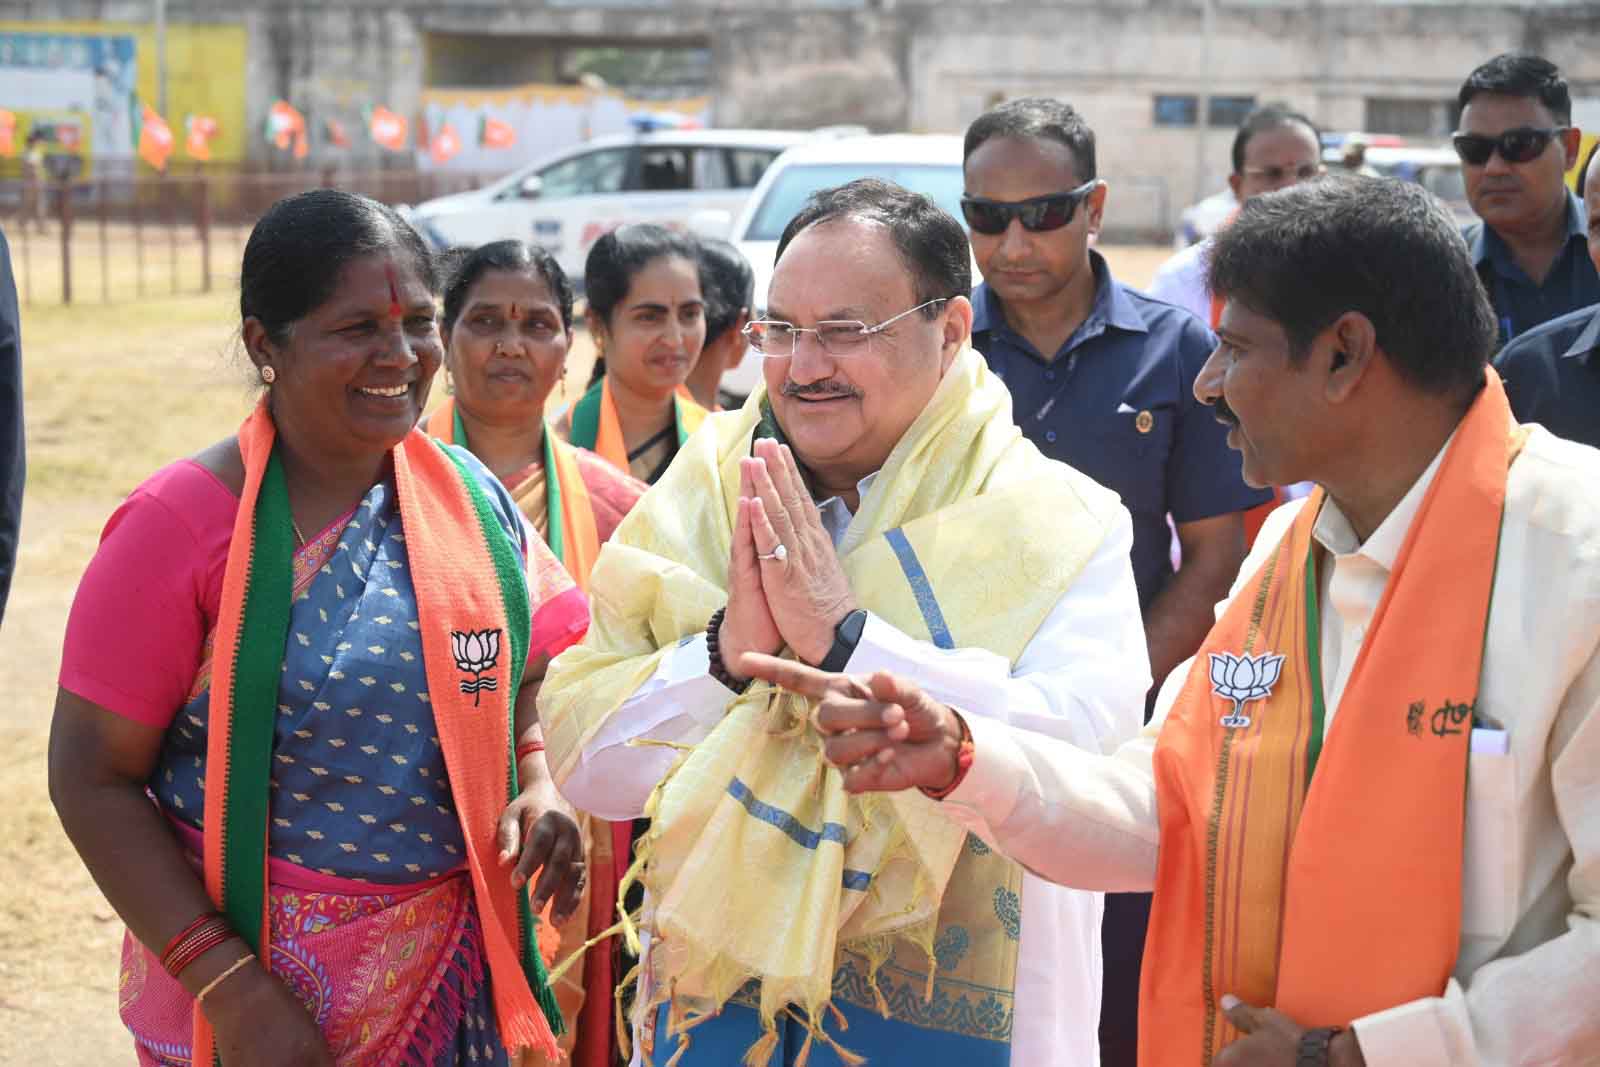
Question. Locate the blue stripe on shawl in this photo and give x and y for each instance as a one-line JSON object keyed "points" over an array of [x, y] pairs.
{"points": [[927, 603], [797, 831]]}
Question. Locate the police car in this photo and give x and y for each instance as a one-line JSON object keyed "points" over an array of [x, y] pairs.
{"points": [[565, 202]]}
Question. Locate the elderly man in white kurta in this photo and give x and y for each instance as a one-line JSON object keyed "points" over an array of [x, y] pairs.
{"points": [[873, 507]]}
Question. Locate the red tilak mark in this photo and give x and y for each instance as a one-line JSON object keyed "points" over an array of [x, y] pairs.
{"points": [[394, 294], [513, 310]]}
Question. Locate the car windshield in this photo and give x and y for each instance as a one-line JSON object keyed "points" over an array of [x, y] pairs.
{"points": [[939, 181]]}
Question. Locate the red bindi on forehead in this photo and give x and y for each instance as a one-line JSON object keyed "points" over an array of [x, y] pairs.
{"points": [[394, 292]]}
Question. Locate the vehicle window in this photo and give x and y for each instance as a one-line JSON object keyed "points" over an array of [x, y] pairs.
{"points": [[586, 175], [941, 182], [747, 165], [663, 169], [1444, 182], [710, 169]]}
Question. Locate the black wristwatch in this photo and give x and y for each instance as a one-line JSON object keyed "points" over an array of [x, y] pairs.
{"points": [[846, 636], [1313, 1051]]}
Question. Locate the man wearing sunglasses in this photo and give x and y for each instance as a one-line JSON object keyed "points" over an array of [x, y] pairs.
{"points": [[1552, 372], [1516, 143], [873, 508], [1102, 379]]}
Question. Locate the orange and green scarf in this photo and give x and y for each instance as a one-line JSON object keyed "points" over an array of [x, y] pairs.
{"points": [[1286, 856], [471, 591], [597, 427], [572, 535]]}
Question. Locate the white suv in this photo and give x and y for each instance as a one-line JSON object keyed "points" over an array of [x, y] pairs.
{"points": [[567, 201], [924, 163]]}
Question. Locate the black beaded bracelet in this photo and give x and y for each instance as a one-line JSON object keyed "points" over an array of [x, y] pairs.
{"points": [[719, 669]]}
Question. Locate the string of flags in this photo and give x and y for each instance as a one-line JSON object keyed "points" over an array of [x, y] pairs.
{"points": [[287, 130]]}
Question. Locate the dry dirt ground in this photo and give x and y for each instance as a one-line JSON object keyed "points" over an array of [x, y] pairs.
{"points": [[112, 393]]}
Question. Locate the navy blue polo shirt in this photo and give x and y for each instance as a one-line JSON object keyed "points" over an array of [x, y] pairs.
{"points": [[1519, 304], [1552, 376], [1117, 402]]}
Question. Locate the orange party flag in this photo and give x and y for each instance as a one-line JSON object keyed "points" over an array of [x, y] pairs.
{"points": [[494, 133], [8, 132], [446, 144], [200, 129], [387, 128], [155, 138], [284, 124]]}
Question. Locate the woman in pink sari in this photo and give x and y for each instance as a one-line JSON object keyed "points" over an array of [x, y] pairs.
{"points": [[295, 740]]}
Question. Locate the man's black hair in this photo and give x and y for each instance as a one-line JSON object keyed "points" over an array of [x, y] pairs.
{"points": [[1036, 118], [1270, 117], [1521, 74], [932, 244], [1305, 255]]}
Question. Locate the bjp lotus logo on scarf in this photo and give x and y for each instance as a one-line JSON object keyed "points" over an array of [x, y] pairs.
{"points": [[476, 652], [1243, 679]]}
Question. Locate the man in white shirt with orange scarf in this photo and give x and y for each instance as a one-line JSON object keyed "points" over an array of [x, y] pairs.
{"points": [[1370, 807]]}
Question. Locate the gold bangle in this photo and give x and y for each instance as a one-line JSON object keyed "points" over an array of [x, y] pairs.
{"points": [[200, 997]]}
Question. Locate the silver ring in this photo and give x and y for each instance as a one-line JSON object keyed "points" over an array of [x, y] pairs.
{"points": [[780, 553]]}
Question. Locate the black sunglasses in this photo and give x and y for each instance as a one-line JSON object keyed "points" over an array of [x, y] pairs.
{"points": [[1038, 215], [1521, 145]]}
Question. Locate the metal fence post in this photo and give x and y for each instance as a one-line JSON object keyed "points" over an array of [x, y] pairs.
{"points": [[138, 234], [104, 195], [66, 241], [203, 219], [170, 201]]}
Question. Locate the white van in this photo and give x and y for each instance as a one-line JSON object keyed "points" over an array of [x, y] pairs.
{"points": [[567, 201]]}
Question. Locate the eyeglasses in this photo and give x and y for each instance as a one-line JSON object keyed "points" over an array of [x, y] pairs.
{"points": [[1520, 145], [1304, 172], [1038, 215], [839, 338]]}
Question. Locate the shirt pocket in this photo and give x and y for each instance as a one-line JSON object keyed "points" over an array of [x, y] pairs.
{"points": [[1134, 435], [1489, 860]]}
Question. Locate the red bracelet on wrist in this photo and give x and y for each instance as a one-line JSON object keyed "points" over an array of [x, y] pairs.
{"points": [[195, 940], [965, 754], [528, 748]]}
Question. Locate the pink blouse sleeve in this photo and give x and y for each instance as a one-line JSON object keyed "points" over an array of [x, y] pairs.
{"points": [[150, 596]]}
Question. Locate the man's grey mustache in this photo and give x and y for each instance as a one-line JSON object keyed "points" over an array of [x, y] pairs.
{"points": [[826, 387]]}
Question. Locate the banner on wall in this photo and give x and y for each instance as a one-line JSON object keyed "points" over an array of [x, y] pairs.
{"points": [[76, 89]]}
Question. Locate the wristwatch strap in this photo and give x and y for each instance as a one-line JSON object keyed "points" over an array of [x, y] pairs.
{"points": [[1313, 1050], [846, 636]]}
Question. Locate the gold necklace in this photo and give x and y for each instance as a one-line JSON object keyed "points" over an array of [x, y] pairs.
{"points": [[299, 538]]}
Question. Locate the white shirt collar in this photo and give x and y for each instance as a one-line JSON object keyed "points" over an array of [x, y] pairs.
{"points": [[836, 515], [1334, 532]]}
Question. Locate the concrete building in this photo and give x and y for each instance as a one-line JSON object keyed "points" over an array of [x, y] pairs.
{"points": [[1162, 81]]}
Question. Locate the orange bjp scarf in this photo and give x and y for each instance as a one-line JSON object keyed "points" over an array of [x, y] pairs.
{"points": [[576, 543], [470, 589], [569, 511], [1285, 858], [597, 427]]}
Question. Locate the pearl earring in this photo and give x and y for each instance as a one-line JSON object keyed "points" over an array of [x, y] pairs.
{"points": [[268, 375]]}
